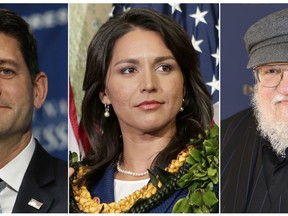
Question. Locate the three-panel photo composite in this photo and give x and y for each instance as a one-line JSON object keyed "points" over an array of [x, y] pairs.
{"points": [[143, 108]]}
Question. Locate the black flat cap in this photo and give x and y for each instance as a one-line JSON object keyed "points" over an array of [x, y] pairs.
{"points": [[267, 40]]}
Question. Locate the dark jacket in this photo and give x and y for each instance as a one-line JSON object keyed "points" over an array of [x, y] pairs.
{"points": [[253, 178], [104, 189], [45, 180]]}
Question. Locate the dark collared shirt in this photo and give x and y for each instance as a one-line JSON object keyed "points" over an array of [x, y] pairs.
{"points": [[253, 177], [276, 175]]}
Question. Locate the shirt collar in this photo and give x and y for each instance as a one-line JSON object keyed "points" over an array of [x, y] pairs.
{"points": [[14, 171]]}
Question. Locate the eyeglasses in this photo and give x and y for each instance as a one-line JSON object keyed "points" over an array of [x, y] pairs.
{"points": [[270, 75]]}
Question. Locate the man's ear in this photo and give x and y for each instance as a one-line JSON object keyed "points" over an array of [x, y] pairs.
{"points": [[40, 89], [104, 97]]}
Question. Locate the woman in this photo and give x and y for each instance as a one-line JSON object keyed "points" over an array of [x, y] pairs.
{"points": [[144, 100]]}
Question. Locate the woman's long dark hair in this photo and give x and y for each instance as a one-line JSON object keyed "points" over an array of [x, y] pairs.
{"points": [[104, 133]]}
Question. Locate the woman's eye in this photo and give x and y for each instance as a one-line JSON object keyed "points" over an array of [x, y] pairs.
{"points": [[165, 68], [128, 70]]}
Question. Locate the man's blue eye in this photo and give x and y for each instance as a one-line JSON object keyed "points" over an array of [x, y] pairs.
{"points": [[6, 73]]}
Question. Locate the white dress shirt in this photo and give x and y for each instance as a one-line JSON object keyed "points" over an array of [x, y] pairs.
{"points": [[13, 174]]}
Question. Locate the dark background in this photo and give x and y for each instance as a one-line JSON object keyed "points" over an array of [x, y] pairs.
{"points": [[50, 27], [236, 80]]}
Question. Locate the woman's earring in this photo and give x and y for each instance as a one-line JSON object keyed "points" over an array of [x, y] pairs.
{"points": [[182, 109], [106, 113]]}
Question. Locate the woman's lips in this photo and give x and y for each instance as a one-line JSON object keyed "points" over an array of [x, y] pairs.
{"points": [[149, 105]]}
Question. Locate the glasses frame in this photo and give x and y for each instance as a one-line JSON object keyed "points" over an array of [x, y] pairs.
{"points": [[256, 73]]}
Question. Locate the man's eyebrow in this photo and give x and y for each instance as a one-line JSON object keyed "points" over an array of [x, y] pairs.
{"points": [[9, 61]]}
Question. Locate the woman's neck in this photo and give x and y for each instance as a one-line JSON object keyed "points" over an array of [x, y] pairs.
{"points": [[139, 151]]}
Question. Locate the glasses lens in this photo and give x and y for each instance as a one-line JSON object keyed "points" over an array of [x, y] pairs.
{"points": [[270, 75]]}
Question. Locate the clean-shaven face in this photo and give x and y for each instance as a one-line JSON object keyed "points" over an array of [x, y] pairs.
{"points": [[16, 89], [144, 83]]}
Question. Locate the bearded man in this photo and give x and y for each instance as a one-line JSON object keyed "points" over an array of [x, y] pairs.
{"points": [[254, 147]]}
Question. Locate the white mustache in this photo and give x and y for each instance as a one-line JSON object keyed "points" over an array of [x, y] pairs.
{"points": [[278, 98]]}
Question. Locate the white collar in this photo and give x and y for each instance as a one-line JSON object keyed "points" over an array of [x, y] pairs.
{"points": [[13, 172]]}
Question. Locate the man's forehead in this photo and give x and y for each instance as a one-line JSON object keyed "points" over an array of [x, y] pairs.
{"points": [[10, 49]]}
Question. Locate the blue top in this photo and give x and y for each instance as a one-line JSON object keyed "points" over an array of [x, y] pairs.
{"points": [[104, 189]]}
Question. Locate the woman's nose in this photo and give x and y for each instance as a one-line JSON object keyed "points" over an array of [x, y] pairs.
{"points": [[149, 81]]}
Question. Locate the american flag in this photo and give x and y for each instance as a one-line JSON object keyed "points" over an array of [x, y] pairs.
{"points": [[201, 22]]}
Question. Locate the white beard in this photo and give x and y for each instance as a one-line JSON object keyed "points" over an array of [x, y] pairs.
{"points": [[270, 125]]}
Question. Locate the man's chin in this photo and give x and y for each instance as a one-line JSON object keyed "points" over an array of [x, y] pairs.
{"points": [[272, 122]]}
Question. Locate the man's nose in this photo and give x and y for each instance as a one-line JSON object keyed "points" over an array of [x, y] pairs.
{"points": [[283, 85]]}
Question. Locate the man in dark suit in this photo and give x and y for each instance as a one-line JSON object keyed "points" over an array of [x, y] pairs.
{"points": [[31, 181], [254, 151]]}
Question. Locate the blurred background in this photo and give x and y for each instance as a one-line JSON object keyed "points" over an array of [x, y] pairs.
{"points": [[49, 22], [237, 81]]}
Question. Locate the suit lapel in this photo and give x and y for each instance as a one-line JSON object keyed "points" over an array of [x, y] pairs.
{"points": [[247, 157], [104, 188], [32, 191], [239, 155], [38, 175]]}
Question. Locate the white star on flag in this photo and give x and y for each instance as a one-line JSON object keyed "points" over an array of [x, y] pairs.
{"points": [[216, 56], [175, 6], [199, 16], [218, 28], [196, 44], [214, 84], [203, 37], [111, 12], [126, 9]]}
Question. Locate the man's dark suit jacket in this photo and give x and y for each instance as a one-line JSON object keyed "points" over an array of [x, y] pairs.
{"points": [[45, 180], [250, 183], [104, 189]]}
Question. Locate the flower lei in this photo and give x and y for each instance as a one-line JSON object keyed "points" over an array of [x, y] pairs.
{"points": [[196, 168]]}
